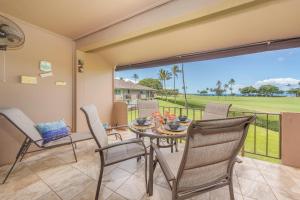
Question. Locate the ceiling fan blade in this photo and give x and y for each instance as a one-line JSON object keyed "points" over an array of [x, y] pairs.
{"points": [[11, 35], [13, 38]]}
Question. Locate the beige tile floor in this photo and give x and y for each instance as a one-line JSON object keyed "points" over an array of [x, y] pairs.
{"points": [[54, 175]]}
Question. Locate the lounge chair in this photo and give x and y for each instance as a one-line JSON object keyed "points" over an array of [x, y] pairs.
{"points": [[112, 153], [216, 111], [26, 126], [208, 158]]}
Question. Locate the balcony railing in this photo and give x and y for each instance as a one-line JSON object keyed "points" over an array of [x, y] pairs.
{"points": [[264, 135]]}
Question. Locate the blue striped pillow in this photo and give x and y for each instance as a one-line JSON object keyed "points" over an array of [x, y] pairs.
{"points": [[52, 130]]}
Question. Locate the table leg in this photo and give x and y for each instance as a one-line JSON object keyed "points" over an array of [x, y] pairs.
{"points": [[151, 171]]}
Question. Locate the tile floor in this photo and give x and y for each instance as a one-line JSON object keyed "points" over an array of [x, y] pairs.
{"points": [[53, 175]]}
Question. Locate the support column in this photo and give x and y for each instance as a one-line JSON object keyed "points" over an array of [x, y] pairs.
{"points": [[290, 139]]}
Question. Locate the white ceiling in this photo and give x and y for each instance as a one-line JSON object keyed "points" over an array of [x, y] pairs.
{"points": [[75, 18]]}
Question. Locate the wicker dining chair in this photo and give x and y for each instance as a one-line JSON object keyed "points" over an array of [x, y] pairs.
{"points": [[216, 111], [112, 153], [208, 158]]}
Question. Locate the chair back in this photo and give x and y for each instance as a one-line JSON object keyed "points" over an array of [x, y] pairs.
{"points": [[22, 122], [210, 151], [147, 107], [95, 125], [216, 111]]}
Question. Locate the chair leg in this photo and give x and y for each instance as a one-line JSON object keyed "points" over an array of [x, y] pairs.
{"points": [[17, 158], [10, 170], [120, 136], [154, 164], [25, 150], [138, 158], [231, 190], [146, 170], [73, 148], [99, 182]]}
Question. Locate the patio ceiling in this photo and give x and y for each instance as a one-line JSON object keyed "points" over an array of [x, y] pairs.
{"points": [[134, 31], [253, 23], [75, 18]]}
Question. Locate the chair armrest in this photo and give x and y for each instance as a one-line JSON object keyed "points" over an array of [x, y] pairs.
{"points": [[163, 163], [135, 140]]}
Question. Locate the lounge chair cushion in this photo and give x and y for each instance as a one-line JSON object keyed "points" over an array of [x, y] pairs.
{"points": [[51, 131]]}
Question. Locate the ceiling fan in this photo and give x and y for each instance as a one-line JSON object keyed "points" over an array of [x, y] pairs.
{"points": [[11, 37]]}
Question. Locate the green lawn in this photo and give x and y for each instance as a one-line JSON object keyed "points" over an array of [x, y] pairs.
{"points": [[258, 104]]}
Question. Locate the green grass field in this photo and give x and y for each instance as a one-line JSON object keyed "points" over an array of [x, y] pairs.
{"points": [[253, 104], [256, 104]]}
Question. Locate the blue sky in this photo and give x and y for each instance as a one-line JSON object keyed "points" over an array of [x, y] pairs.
{"points": [[278, 68]]}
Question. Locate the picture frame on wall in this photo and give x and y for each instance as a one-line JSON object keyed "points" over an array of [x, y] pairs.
{"points": [[45, 66]]}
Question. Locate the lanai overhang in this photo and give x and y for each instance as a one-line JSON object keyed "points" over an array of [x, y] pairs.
{"points": [[199, 27]]}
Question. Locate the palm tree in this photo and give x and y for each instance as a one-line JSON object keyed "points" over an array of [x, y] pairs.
{"points": [[135, 77], [168, 76], [161, 77], [231, 83], [218, 89], [184, 87], [225, 88], [164, 76], [175, 71]]}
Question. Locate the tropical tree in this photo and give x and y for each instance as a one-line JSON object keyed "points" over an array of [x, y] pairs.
{"points": [[203, 92], [175, 71], [231, 83], [248, 90], [161, 76], [218, 90], [184, 86], [164, 75], [225, 88], [135, 77], [268, 90], [152, 83], [294, 91]]}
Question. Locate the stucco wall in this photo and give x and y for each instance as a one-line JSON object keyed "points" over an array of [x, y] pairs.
{"points": [[94, 86], [41, 102]]}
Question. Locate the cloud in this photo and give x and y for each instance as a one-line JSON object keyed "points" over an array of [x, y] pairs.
{"points": [[280, 82], [126, 79], [236, 87]]}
